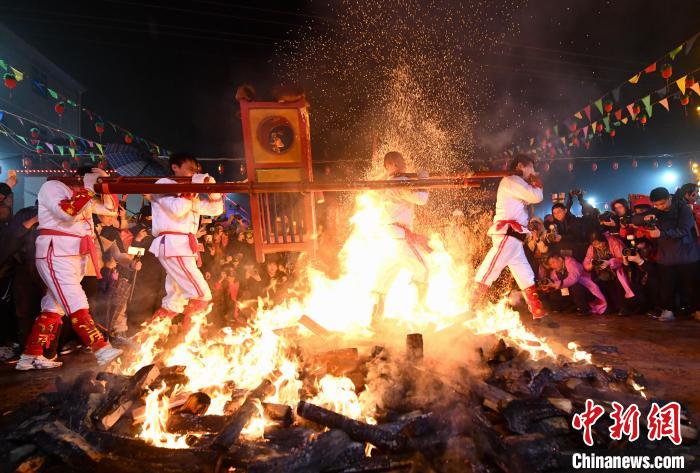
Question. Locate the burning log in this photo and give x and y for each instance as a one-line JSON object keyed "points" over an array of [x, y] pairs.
{"points": [[138, 414], [120, 401], [313, 326], [494, 398], [182, 423], [520, 414], [196, 404], [317, 455], [363, 432], [337, 362], [414, 347], [230, 433], [281, 413], [54, 438]]}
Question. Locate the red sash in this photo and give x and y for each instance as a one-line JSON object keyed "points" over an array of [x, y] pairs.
{"points": [[501, 224], [87, 246], [194, 244]]}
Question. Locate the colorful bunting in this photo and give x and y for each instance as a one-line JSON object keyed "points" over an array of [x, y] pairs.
{"points": [[635, 78], [587, 111], [630, 109], [606, 121], [664, 104], [647, 104], [18, 75], [675, 52], [695, 88], [681, 84], [689, 44], [599, 105], [650, 68], [618, 114], [578, 115]]}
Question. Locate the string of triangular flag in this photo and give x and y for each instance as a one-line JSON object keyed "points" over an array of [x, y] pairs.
{"points": [[12, 77], [583, 123]]}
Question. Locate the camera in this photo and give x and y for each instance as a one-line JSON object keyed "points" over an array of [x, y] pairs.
{"points": [[606, 216], [551, 234], [543, 283], [629, 252], [598, 263], [644, 220]]}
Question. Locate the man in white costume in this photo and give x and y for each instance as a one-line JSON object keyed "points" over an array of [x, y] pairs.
{"points": [[64, 247], [508, 233], [175, 225]]}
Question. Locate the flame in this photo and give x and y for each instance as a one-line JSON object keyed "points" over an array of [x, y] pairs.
{"points": [[338, 394], [426, 297], [153, 430], [579, 355]]}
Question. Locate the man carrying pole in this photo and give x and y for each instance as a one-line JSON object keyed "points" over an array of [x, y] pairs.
{"points": [[175, 225], [508, 233], [64, 244]]}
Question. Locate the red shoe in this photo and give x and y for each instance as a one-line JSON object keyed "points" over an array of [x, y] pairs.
{"points": [[163, 313], [533, 302], [194, 306], [478, 296]]}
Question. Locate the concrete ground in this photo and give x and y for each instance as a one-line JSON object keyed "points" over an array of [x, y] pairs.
{"points": [[667, 354]]}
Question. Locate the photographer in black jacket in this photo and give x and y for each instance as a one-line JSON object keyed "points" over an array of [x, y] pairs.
{"points": [[677, 252]]}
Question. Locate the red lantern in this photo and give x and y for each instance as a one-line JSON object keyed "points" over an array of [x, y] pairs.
{"points": [[128, 139], [666, 71], [643, 119], [65, 165], [612, 133], [607, 106], [220, 168], [634, 163], [689, 82], [39, 149], [655, 164], [636, 109], [575, 142], [59, 108], [594, 166], [685, 100], [669, 163], [99, 128], [615, 166], [34, 133], [10, 80], [570, 167], [599, 128], [572, 127], [26, 162]]}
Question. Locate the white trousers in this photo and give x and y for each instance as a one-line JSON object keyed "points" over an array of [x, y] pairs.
{"points": [[183, 281], [506, 251], [62, 276], [408, 256]]}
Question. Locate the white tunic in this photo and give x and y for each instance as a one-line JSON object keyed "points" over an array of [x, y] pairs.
{"points": [[513, 196], [400, 207], [180, 215], [53, 217]]}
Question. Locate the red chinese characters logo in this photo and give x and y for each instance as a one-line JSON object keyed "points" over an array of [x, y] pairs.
{"points": [[625, 422], [585, 420], [665, 422], [662, 422]]}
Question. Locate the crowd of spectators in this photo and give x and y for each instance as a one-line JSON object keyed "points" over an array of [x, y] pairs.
{"points": [[639, 257]]}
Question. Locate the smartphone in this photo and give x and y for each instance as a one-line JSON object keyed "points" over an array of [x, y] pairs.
{"points": [[135, 251]]}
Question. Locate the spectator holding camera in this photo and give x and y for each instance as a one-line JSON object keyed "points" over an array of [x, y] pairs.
{"points": [[568, 284], [570, 230], [643, 273], [537, 242], [604, 260], [677, 252], [613, 221]]}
